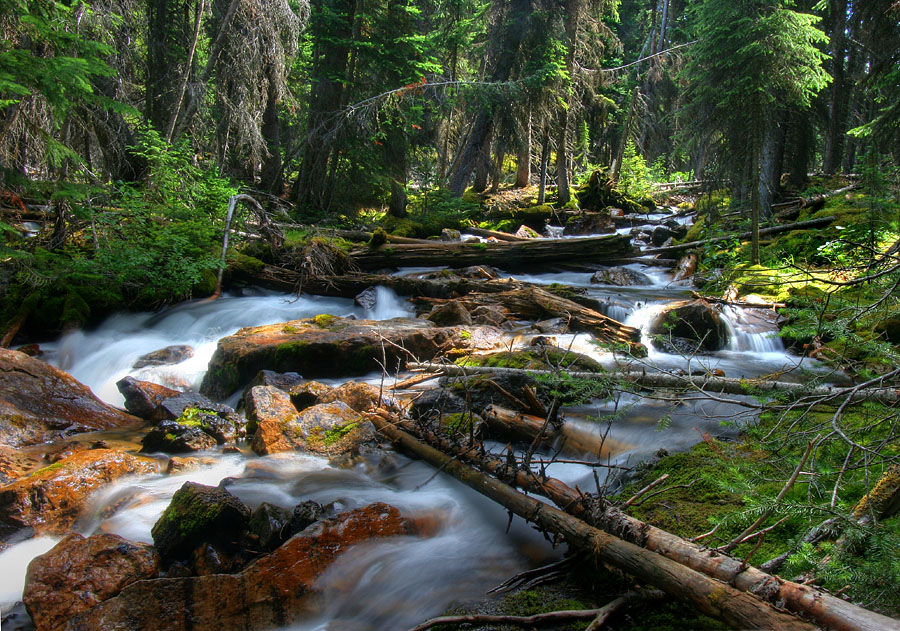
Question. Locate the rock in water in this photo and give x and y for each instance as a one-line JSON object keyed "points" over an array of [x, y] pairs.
{"points": [[620, 277], [199, 514], [329, 429], [690, 327], [80, 573], [165, 356], [174, 438], [49, 500], [40, 403], [367, 298]]}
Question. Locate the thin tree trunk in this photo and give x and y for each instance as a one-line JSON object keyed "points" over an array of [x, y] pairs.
{"points": [[523, 156], [188, 67]]}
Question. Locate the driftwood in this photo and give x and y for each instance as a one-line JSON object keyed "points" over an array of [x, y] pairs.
{"points": [[526, 426], [534, 303], [700, 383], [502, 236], [743, 236], [712, 597], [825, 610], [505, 254]]}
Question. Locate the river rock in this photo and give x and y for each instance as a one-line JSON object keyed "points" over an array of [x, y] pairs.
{"points": [[325, 428], [80, 573], [524, 232], [327, 346], [689, 327], [281, 380], [165, 356], [178, 465], [174, 438], [620, 277], [590, 223], [40, 403], [670, 230], [687, 267], [449, 234], [270, 523], [270, 592], [143, 398], [199, 514], [367, 298], [450, 313], [304, 515], [306, 394], [361, 397], [269, 406], [49, 500], [16, 463]]}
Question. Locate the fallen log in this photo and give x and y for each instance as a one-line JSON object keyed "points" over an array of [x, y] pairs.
{"points": [[700, 383], [534, 303], [573, 439], [710, 596], [502, 236], [738, 303], [508, 255], [827, 611], [743, 236]]}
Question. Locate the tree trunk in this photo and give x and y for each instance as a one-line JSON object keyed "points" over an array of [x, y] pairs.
{"points": [[523, 156], [837, 105], [545, 159]]}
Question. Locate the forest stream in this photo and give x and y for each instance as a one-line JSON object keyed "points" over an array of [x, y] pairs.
{"points": [[397, 582]]}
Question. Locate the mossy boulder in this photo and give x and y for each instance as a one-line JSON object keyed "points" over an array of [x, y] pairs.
{"points": [[599, 192], [688, 327], [330, 429], [338, 347], [620, 277], [535, 358], [196, 515], [173, 438]]}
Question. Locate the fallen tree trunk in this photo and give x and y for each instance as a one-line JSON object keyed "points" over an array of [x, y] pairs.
{"points": [[711, 597], [502, 236], [534, 303], [828, 611], [574, 440], [700, 383], [800, 225], [506, 254]]}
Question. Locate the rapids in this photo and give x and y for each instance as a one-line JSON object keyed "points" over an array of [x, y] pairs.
{"points": [[395, 583]]}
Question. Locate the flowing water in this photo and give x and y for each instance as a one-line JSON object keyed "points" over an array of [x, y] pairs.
{"points": [[393, 584]]}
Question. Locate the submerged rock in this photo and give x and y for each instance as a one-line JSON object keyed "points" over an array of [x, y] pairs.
{"points": [[49, 500], [40, 403], [80, 573], [620, 277], [199, 514], [689, 327], [325, 346], [165, 356], [270, 592]]}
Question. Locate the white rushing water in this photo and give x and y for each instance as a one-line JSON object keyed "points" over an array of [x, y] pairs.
{"points": [[394, 583]]}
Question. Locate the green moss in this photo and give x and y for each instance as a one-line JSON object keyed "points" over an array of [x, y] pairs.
{"points": [[465, 335], [478, 246], [56, 466], [546, 358], [461, 422], [379, 238], [291, 329], [324, 320], [335, 434], [245, 263]]}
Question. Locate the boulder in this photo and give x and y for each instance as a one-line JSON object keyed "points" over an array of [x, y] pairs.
{"points": [[143, 398], [689, 327], [270, 592], [304, 515], [158, 403], [361, 397], [450, 313], [620, 277], [367, 298], [524, 232], [196, 515], [80, 573], [670, 230], [174, 438], [281, 380], [164, 356], [49, 500], [325, 428], [16, 463], [449, 234], [269, 406], [271, 524], [40, 403], [590, 223], [325, 346], [178, 465], [306, 394]]}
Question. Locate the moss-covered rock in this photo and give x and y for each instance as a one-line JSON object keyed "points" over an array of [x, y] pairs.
{"points": [[536, 358]]}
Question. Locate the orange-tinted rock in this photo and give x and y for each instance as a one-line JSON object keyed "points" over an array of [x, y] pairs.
{"points": [[325, 346], [361, 397], [143, 398], [306, 394], [50, 499], [16, 463], [268, 406], [326, 428], [271, 592], [39, 403], [80, 573]]}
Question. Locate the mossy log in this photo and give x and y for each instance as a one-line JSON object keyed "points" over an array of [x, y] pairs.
{"points": [[534, 303], [701, 383], [743, 236], [825, 610], [508, 255], [712, 597]]}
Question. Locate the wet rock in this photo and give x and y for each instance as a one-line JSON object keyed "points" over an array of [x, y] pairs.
{"points": [[492, 315], [689, 327], [270, 592], [165, 356], [308, 393], [620, 277], [325, 428], [174, 438], [269, 406], [181, 465], [199, 514], [16, 463], [361, 397], [590, 223], [449, 234], [524, 232], [208, 559], [143, 398], [553, 325], [281, 380], [271, 524], [49, 500], [367, 298], [432, 404], [325, 346], [40, 403], [80, 573], [670, 230], [450, 313], [304, 515], [32, 350], [687, 267]]}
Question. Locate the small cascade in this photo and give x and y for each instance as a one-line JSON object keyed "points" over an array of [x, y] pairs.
{"points": [[748, 332]]}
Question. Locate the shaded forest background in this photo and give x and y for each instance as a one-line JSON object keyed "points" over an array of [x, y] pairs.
{"points": [[131, 123]]}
